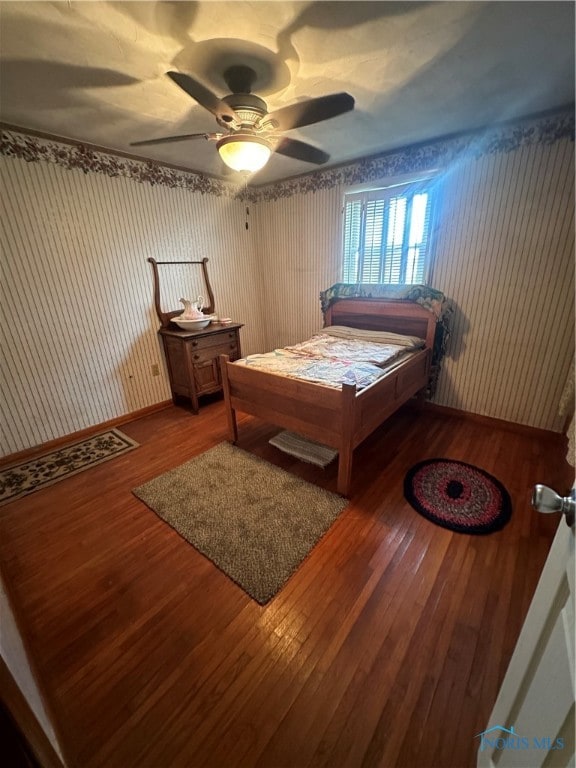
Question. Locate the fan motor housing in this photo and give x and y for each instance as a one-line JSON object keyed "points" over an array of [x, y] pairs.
{"points": [[249, 101], [249, 109]]}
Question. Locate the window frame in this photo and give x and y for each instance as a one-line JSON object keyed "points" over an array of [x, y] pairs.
{"points": [[382, 190]]}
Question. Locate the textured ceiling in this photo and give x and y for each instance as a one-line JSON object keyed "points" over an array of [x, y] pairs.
{"points": [[95, 72]]}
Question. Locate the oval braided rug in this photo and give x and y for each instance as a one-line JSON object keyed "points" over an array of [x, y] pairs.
{"points": [[458, 496]]}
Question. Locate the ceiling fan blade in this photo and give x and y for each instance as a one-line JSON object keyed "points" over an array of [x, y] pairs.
{"points": [[168, 139], [298, 150], [312, 111], [203, 96]]}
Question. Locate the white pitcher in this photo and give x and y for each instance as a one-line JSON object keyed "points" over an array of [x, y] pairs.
{"points": [[192, 309]]}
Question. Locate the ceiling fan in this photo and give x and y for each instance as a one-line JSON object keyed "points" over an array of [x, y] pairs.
{"points": [[251, 133]]}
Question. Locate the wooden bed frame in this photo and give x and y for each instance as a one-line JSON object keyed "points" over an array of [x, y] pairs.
{"points": [[341, 419]]}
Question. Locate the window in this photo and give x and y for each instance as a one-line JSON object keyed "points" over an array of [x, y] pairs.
{"points": [[387, 234]]}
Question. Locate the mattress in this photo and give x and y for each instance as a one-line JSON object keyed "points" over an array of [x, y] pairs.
{"points": [[337, 355]]}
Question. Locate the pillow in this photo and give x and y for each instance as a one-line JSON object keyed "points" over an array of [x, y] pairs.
{"points": [[378, 337]]}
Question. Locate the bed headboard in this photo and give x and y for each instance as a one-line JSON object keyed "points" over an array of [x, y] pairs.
{"points": [[376, 314]]}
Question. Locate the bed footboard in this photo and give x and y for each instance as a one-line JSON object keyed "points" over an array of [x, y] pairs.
{"points": [[300, 406], [318, 413], [338, 418]]}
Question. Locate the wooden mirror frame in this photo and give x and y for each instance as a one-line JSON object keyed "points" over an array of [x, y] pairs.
{"points": [[166, 317]]}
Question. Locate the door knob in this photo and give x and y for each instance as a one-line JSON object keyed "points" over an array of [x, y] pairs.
{"points": [[546, 500]]}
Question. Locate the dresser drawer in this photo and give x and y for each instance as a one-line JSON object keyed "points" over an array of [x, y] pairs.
{"points": [[213, 340], [203, 355]]}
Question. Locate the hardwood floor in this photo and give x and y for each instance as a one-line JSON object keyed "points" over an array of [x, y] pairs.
{"points": [[386, 648]]}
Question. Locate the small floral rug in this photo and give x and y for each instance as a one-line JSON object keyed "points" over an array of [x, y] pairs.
{"points": [[21, 479], [458, 496]]}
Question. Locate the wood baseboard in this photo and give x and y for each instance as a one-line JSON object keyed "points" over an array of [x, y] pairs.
{"points": [[443, 410], [37, 450], [489, 421]]}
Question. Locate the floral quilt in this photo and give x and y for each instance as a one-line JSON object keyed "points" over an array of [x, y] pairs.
{"points": [[329, 360]]}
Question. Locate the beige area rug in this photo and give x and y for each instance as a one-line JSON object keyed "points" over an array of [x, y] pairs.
{"points": [[253, 520], [304, 449], [28, 476]]}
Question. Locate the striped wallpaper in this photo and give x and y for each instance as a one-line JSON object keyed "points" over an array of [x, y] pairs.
{"points": [[78, 325], [298, 247], [79, 330], [504, 257], [508, 266]]}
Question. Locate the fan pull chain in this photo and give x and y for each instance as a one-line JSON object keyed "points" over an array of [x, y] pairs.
{"points": [[246, 193]]}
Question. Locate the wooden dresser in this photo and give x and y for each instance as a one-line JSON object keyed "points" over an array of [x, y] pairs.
{"points": [[192, 358]]}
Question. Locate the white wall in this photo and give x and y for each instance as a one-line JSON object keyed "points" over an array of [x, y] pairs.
{"points": [[15, 656]]}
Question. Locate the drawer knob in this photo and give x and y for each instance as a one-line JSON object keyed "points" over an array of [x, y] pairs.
{"points": [[194, 343], [196, 357]]}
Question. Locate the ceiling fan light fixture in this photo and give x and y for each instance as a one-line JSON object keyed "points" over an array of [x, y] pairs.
{"points": [[244, 152]]}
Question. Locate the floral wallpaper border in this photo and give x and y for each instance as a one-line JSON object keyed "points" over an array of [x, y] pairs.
{"points": [[503, 138], [427, 156], [33, 149]]}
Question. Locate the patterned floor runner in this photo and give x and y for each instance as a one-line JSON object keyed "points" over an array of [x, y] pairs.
{"points": [[28, 476]]}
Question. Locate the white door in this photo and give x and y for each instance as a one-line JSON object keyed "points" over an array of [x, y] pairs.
{"points": [[532, 723]]}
